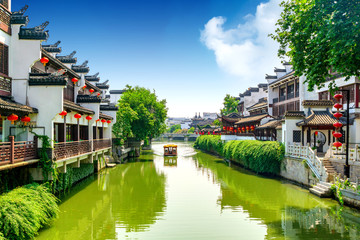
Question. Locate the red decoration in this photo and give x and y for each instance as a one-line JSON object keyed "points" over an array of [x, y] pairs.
{"points": [[227, 128], [196, 133], [231, 129], [224, 128], [337, 135], [44, 60], [252, 127], [214, 133], [91, 90], [208, 133], [338, 106], [247, 128], [84, 87], [108, 121], [63, 113], [103, 120], [338, 115], [98, 94], [338, 97], [338, 125], [97, 120], [74, 80], [337, 144], [77, 116], [88, 118], [12, 118], [25, 120], [316, 133], [243, 129]]}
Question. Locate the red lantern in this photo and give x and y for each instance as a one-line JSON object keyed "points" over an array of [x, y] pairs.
{"points": [[227, 128], [25, 120], [208, 133], [88, 118], [91, 90], [224, 128], [103, 120], [74, 80], [338, 125], [337, 135], [44, 60], [108, 121], [12, 118], [231, 129], [77, 116], [84, 87], [337, 144], [316, 133], [214, 133], [63, 114], [243, 129], [97, 120], [338, 97], [252, 127], [196, 133], [247, 128], [98, 94], [338, 106], [338, 115]]}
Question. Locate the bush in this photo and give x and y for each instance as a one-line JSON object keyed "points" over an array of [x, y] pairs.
{"points": [[259, 156], [24, 210], [73, 175]]}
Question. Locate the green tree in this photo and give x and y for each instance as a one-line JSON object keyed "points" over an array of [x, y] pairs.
{"points": [[230, 105], [191, 130], [140, 115], [319, 36], [217, 122], [175, 127]]}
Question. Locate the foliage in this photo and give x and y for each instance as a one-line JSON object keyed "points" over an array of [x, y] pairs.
{"points": [[230, 105], [341, 185], [217, 122], [191, 130], [259, 156], [73, 175], [173, 128], [25, 210], [318, 36], [12, 178], [141, 115]]}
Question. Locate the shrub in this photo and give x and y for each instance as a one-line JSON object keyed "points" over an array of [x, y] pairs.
{"points": [[24, 210], [259, 156], [73, 175]]}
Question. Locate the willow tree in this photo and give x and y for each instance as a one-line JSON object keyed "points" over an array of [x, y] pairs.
{"points": [[230, 105], [141, 114], [320, 36]]}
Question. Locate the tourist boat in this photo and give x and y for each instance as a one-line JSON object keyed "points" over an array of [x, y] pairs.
{"points": [[170, 150]]}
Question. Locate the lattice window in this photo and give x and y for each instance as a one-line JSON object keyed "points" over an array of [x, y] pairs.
{"points": [[69, 91], [4, 59], [296, 136]]}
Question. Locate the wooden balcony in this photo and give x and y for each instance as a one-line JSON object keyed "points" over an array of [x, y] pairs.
{"points": [[64, 150], [14, 152]]}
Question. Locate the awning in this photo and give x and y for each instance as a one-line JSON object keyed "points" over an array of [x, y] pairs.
{"points": [[75, 107], [8, 106], [249, 119], [270, 125], [320, 119]]}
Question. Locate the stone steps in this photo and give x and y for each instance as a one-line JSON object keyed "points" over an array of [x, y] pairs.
{"points": [[322, 189]]}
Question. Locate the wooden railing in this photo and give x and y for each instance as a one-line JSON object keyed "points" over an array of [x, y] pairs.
{"points": [[101, 144], [306, 153], [14, 152], [69, 149]]}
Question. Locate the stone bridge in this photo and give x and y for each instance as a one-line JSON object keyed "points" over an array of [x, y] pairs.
{"points": [[178, 136]]}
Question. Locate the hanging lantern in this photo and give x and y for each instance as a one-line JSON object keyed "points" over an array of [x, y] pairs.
{"points": [[196, 133], [103, 120], [337, 135], [208, 133], [98, 94], [338, 106], [338, 115], [44, 61], [247, 128], [108, 121], [337, 144], [77, 116], [231, 129], [84, 87], [12, 118], [252, 127], [224, 128], [63, 114], [25, 120], [316, 133], [235, 130], [243, 129], [338, 97], [338, 125], [88, 118], [214, 133], [98, 120], [74, 80], [91, 90]]}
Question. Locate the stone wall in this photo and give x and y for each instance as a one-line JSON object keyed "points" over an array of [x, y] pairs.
{"points": [[295, 170], [354, 168]]}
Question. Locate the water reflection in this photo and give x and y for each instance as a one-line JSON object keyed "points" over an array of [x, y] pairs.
{"points": [[170, 161], [287, 211]]}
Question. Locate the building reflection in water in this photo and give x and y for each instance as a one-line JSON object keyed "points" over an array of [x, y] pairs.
{"points": [[170, 161]]}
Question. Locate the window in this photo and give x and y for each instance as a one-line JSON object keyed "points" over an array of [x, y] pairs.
{"points": [[296, 136], [4, 59], [69, 91]]}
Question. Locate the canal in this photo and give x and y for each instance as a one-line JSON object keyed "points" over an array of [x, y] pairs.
{"points": [[195, 196]]}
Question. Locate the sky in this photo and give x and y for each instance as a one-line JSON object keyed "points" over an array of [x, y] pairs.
{"points": [[191, 52]]}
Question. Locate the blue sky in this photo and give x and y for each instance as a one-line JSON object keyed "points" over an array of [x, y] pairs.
{"points": [[183, 49]]}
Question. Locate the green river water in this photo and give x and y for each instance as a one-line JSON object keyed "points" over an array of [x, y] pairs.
{"points": [[195, 196]]}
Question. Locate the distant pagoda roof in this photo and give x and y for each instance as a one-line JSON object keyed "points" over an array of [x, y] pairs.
{"points": [[68, 58], [109, 107], [83, 68], [52, 48], [103, 85], [19, 18], [93, 78], [35, 33], [117, 91]]}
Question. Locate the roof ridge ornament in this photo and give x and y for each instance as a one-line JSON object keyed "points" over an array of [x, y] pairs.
{"points": [[84, 64], [22, 10]]}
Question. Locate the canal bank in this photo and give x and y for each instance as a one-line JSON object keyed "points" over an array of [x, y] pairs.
{"points": [[194, 196]]}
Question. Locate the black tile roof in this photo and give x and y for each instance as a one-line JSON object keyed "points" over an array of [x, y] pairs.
{"points": [[93, 78], [68, 58], [117, 91], [108, 108], [52, 48], [47, 79], [36, 33], [279, 70], [87, 99], [320, 118], [8, 106], [76, 107], [83, 68], [105, 116], [19, 18], [103, 85], [59, 64]]}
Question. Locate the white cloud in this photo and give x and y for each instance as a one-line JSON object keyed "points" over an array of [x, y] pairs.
{"points": [[246, 51]]}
